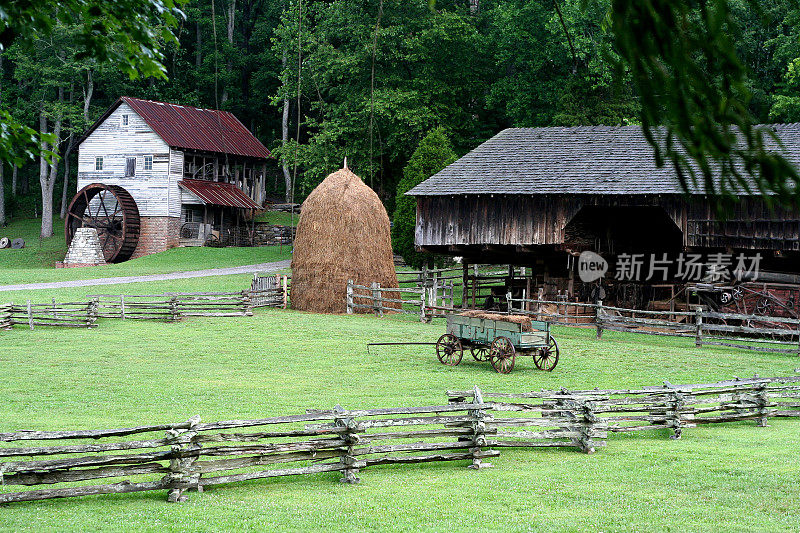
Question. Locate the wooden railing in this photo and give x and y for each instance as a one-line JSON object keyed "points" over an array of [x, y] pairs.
{"points": [[192, 455], [422, 302], [749, 332], [577, 418], [169, 307], [69, 314]]}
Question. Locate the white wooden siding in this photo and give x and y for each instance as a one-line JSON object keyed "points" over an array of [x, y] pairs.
{"points": [[155, 191]]}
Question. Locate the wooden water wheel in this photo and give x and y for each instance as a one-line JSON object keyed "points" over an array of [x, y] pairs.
{"points": [[112, 211]]}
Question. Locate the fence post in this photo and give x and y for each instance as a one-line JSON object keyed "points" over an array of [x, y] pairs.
{"points": [[698, 321], [122, 306], [348, 460], [349, 296], [675, 411], [422, 315], [763, 405], [247, 303], [173, 308], [478, 431], [510, 303], [285, 284], [92, 311], [597, 318], [587, 423], [30, 315], [183, 474]]}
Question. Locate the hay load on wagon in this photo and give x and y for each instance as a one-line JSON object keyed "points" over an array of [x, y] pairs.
{"points": [[343, 234]]}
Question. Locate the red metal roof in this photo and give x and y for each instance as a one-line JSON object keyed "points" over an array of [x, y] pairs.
{"points": [[193, 128], [217, 193]]}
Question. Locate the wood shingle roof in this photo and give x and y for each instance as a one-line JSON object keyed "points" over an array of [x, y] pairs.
{"points": [[612, 160]]}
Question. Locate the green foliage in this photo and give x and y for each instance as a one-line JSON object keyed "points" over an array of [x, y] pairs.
{"points": [[433, 153], [682, 57], [127, 34]]}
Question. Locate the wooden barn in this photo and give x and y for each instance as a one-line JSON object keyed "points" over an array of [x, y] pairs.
{"points": [[538, 197], [194, 174]]}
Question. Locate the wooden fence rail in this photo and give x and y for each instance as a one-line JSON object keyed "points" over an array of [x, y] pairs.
{"points": [[193, 455], [6, 316], [421, 301], [749, 332], [576, 418], [70, 314]]}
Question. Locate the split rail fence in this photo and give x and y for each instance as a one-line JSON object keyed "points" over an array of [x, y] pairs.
{"points": [[194, 455], [749, 332], [577, 418], [167, 307], [425, 302]]}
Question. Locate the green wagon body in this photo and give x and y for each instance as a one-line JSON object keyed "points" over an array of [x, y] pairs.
{"points": [[484, 331], [497, 341]]}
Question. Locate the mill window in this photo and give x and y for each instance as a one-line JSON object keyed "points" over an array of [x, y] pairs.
{"points": [[130, 167]]}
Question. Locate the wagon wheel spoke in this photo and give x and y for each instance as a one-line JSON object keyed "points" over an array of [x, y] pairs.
{"points": [[449, 350]]}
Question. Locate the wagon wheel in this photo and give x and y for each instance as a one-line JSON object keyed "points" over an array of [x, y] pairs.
{"points": [[480, 352], [112, 211], [449, 350], [764, 306], [502, 355], [547, 357]]}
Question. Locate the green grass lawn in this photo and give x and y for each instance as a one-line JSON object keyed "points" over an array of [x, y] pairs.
{"points": [[35, 263], [729, 477]]}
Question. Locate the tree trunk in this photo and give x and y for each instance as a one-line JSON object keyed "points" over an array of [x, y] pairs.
{"points": [[198, 44], [2, 164], [231, 20], [14, 175], [2, 196], [47, 190], [64, 198], [87, 95], [287, 177], [48, 172]]}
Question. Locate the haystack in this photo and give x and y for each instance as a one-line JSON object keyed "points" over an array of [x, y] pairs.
{"points": [[343, 234]]}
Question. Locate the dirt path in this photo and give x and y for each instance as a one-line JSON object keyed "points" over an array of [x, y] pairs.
{"points": [[246, 269]]}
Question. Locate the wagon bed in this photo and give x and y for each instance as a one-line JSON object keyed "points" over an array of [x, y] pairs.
{"points": [[498, 341]]}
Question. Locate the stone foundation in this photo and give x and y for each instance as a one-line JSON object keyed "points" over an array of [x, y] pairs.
{"points": [[157, 234], [84, 250], [269, 235]]}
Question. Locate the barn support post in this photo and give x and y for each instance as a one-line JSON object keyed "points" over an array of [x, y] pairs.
{"points": [[474, 286], [598, 320], [183, 473], [698, 321], [464, 286], [349, 296]]}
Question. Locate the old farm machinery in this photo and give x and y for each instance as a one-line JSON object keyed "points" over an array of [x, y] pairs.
{"points": [[498, 340], [112, 211]]}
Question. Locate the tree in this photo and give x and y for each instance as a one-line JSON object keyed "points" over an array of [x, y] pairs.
{"points": [[126, 33], [433, 153], [695, 96]]}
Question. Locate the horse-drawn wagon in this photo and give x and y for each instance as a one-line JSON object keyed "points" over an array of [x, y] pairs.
{"points": [[499, 340]]}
